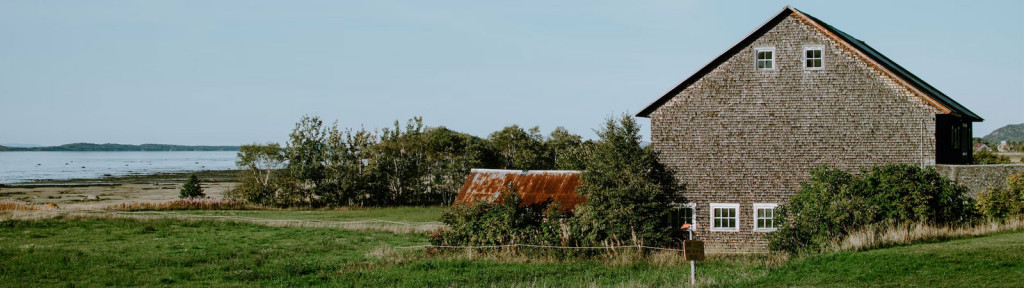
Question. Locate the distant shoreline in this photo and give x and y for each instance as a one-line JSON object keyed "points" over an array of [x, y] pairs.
{"points": [[110, 147], [216, 176]]}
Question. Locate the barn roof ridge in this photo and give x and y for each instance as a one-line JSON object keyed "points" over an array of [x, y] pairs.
{"points": [[897, 71]]}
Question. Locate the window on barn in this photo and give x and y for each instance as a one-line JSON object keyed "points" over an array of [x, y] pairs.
{"points": [[764, 217], [813, 59], [682, 214], [765, 58], [725, 217]]}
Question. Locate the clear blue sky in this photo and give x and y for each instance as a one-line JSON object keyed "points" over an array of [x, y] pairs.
{"points": [[234, 72]]}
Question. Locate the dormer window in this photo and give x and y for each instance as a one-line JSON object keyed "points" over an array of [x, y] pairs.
{"points": [[765, 58], [813, 59]]}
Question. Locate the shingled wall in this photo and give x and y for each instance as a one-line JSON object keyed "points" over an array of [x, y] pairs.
{"points": [[739, 135]]}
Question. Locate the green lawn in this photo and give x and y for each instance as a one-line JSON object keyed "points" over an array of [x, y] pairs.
{"points": [[990, 261], [123, 252], [398, 214]]}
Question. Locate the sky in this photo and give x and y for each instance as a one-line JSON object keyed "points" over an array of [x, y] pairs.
{"points": [[237, 72]]}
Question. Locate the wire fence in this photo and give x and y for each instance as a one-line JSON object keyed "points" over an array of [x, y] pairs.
{"points": [[425, 246]]}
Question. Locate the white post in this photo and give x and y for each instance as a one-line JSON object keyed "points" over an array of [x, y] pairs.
{"points": [[693, 273]]}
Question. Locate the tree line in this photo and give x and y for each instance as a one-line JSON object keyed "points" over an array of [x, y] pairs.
{"points": [[324, 165]]}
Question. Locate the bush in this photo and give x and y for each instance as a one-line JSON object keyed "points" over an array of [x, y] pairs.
{"points": [[833, 202], [506, 221], [987, 157], [192, 188], [998, 204]]}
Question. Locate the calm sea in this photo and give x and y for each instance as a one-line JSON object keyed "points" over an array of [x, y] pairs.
{"points": [[18, 167]]}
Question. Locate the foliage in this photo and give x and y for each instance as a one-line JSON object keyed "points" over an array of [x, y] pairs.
{"points": [[628, 191], [568, 150], [506, 221], [833, 202], [628, 195], [520, 149], [258, 182], [998, 203], [325, 166], [987, 157], [192, 188]]}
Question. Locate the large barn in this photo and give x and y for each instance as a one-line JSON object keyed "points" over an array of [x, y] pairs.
{"points": [[743, 131]]}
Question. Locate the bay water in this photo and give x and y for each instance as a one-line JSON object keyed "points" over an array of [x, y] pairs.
{"points": [[17, 167]]}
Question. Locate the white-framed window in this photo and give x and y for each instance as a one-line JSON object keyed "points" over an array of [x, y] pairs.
{"points": [[725, 217], [764, 217], [683, 213], [764, 58], [814, 58]]}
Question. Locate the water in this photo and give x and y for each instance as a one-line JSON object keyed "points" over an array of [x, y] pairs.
{"points": [[18, 167]]}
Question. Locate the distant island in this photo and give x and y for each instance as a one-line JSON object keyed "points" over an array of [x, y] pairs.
{"points": [[108, 147]]}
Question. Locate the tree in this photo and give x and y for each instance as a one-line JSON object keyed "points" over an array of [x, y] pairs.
{"points": [[257, 179], [192, 188], [568, 150], [307, 163], [521, 149], [628, 191]]}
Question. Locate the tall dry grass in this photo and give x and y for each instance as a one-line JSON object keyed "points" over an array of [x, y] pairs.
{"points": [[873, 237], [11, 206], [184, 204]]}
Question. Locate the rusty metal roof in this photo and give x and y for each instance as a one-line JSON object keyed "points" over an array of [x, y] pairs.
{"points": [[534, 186]]}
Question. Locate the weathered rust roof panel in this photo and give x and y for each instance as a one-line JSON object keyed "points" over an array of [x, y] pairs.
{"points": [[537, 186]]}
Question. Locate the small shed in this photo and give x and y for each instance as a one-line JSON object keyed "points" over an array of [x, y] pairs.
{"points": [[534, 186]]}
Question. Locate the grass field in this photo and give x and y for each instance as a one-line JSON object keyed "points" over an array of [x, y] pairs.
{"points": [[409, 214], [125, 252]]}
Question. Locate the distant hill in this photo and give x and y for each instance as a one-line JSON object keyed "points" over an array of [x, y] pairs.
{"points": [[121, 147], [1010, 133]]}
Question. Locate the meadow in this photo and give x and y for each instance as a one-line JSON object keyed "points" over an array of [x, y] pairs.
{"points": [[114, 251]]}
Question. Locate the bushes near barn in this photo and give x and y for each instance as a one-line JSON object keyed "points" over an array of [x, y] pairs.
{"points": [[628, 195], [504, 222], [833, 202], [998, 204]]}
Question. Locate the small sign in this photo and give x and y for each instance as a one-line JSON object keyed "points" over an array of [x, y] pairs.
{"points": [[693, 250]]}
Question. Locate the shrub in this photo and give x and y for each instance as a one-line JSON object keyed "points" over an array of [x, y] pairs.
{"points": [[507, 221], [987, 157], [192, 188], [998, 204], [833, 202]]}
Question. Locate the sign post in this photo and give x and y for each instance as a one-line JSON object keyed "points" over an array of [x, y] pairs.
{"points": [[694, 251]]}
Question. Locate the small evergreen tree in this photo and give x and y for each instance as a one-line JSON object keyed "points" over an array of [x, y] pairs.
{"points": [[192, 188]]}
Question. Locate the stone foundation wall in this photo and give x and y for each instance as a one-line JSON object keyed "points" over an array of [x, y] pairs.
{"points": [[977, 178]]}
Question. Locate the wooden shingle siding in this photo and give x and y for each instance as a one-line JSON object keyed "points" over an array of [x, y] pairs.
{"points": [[743, 135]]}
